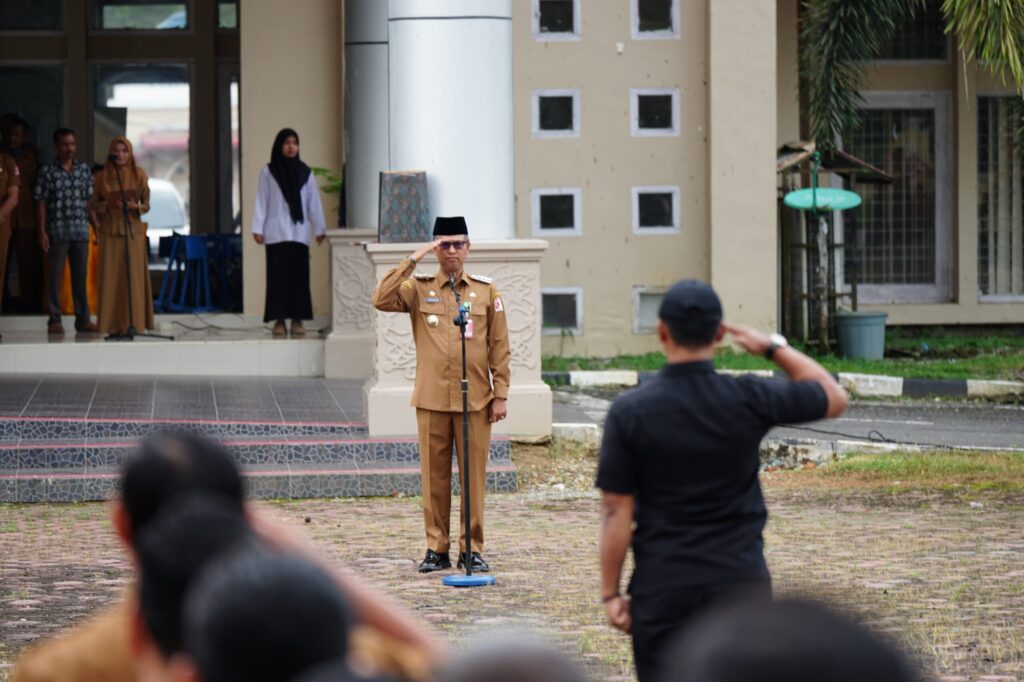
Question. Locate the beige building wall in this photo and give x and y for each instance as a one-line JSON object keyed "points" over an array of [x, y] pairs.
{"points": [[788, 69], [742, 100], [608, 260], [291, 76]]}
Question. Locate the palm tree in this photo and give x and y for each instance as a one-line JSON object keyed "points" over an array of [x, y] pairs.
{"points": [[839, 37]]}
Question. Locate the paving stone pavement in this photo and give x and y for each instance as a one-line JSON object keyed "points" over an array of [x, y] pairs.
{"points": [[941, 574]]}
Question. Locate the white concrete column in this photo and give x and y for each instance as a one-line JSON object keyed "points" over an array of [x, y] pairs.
{"points": [[450, 106], [366, 108], [742, 203], [515, 267]]}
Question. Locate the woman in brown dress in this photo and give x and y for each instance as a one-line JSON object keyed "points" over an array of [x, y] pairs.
{"points": [[113, 278]]}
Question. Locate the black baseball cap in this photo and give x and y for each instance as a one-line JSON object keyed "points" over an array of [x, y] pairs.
{"points": [[691, 301]]}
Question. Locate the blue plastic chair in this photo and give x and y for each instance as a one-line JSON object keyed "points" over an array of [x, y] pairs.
{"points": [[186, 285]]}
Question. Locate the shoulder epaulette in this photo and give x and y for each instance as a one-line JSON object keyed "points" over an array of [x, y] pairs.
{"points": [[422, 276], [482, 278]]}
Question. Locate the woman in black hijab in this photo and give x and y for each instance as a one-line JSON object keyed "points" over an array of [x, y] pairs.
{"points": [[288, 212]]}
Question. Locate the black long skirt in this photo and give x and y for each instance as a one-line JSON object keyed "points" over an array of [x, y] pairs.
{"points": [[288, 296]]}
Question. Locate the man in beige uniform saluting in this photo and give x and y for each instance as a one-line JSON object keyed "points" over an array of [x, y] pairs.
{"points": [[437, 397]]}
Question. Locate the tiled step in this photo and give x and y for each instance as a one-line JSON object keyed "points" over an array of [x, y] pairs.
{"points": [[350, 453], [60, 459], [56, 429], [261, 482]]}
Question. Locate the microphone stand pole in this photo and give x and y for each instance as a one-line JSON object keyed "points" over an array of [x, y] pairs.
{"points": [[129, 240], [468, 580]]}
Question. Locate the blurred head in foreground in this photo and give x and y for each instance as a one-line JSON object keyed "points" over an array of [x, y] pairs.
{"points": [[783, 641], [513, 657], [167, 466], [174, 548], [269, 617]]}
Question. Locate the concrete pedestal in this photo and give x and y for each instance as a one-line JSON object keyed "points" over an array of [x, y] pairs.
{"points": [[515, 267], [348, 349]]}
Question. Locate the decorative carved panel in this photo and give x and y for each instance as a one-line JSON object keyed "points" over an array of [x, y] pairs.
{"points": [[353, 289]]}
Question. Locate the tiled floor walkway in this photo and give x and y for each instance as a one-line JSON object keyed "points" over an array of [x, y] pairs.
{"points": [[217, 399]]}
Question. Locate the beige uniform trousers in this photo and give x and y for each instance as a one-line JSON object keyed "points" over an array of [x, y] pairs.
{"points": [[437, 432]]}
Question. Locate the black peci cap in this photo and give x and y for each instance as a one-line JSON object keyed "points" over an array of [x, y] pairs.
{"points": [[445, 227], [691, 301]]}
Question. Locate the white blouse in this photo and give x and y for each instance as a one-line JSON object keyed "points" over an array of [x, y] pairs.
{"points": [[272, 219]]}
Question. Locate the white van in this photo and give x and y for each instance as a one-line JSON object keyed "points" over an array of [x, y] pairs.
{"points": [[166, 214]]}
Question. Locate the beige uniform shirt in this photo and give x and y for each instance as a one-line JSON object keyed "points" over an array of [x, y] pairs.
{"points": [[98, 649], [431, 306]]}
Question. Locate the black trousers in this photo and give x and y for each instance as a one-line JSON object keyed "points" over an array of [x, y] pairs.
{"points": [[288, 296], [659, 618], [76, 254]]}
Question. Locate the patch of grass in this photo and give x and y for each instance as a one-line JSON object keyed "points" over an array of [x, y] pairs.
{"points": [[943, 470], [1000, 359]]}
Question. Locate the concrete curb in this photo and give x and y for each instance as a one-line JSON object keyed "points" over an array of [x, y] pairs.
{"points": [[784, 453], [860, 385]]}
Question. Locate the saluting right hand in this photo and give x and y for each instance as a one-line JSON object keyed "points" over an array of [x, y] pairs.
{"points": [[425, 249], [750, 340]]}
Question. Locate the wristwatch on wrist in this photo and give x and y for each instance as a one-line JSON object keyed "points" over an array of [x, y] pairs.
{"points": [[777, 341]]}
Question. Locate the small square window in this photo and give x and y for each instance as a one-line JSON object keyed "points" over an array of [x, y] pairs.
{"points": [[654, 112], [556, 113], [561, 310], [556, 212], [556, 19], [655, 19], [655, 210], [646, 303]]}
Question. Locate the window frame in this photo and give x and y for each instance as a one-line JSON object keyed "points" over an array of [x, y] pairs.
{"points": [[988, 298], [638, 292], [674, 190], [577, 25], [577, 292], [634, 112], [577, 212], [93, 29], [941, 291], [634, 23], [535, 97]]}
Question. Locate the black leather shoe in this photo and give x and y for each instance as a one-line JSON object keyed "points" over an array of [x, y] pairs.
{"points": [[478, 562], [434, 562]]}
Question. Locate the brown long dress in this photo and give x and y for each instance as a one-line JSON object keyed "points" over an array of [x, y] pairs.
{"points": [[113, 281]]}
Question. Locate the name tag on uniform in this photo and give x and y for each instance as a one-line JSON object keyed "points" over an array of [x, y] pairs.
{"points": [[432, 299]]}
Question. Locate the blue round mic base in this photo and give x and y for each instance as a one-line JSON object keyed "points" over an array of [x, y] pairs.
{"points": [[476, 580]]}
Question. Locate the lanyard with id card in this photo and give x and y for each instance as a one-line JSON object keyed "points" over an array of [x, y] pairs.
{"points": [[468, 307]]}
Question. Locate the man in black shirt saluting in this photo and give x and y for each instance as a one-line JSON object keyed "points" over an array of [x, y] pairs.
{"points": [[680, 456]]}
